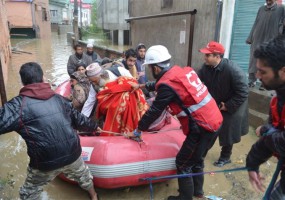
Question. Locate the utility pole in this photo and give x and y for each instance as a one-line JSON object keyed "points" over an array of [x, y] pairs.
{"points": [[75, 21], [2, 86], [81, 14], [80, 30]]}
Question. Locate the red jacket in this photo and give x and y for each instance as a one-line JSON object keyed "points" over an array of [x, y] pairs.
{"points": [[195, 100], [277, 120]]}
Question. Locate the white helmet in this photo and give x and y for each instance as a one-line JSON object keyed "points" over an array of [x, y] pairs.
{"points": [[156, 54]]}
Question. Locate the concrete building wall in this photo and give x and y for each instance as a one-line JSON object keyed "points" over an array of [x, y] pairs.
{"points": [[86, 16], [5, 45], [60, 13], [33, 15], [19, 14], [42, 18], [173, 32], [111, 17], [56, 14]]}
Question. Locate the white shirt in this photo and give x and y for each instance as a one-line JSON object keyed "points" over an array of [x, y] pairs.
{"points": [[89, 103], [91, 100], [123, 71]]}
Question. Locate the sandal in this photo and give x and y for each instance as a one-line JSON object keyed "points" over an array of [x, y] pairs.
{"points": [[221, 163]]}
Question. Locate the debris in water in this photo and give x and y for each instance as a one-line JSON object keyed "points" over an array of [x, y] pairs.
{"points": [[239, 161], [213, 197]]}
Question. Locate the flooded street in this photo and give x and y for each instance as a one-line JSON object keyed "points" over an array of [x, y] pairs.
{"points": [[52, 54]]}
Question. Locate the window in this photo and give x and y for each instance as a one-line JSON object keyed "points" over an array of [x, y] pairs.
{"points": [[53, 13], [44, 14], [166, 3]]}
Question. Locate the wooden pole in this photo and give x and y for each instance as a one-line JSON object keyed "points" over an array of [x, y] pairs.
{"points": [[2, 86], [191, 38]]}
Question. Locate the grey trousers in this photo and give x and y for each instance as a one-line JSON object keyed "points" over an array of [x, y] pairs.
{"points": [[36, 179]]}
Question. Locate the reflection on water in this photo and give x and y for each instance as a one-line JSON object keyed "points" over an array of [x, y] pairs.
{"points": [[52, 54]]}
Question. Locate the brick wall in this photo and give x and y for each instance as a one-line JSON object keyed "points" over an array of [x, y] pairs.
{"points": [[33, 15], [5, 45]]}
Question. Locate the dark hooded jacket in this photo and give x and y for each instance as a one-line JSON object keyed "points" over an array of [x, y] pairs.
{"points": [[45, 121]]}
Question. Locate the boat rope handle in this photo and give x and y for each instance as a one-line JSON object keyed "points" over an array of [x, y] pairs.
{"points": [[124, 134], [151, 179]]}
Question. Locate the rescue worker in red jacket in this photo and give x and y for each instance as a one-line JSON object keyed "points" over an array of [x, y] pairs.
{"points": [[271, 72], [188, 98]]}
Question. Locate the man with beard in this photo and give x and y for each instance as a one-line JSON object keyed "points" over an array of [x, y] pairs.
{"points": [[92, 54], [120, 107], [98, 78], [76, 58], [188, 98], [129, 62], [268, 24], [141, 49], [271, 72]]}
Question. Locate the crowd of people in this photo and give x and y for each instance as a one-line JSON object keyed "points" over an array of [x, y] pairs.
{"points": [[110, 95]]}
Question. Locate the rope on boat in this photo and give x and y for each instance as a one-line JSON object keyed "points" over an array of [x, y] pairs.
{"points": [[124, 134], [151, 179]]}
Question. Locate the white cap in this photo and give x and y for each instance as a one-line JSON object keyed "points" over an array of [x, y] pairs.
{"points": [[89, 45], [93, 69], [156, 54]]}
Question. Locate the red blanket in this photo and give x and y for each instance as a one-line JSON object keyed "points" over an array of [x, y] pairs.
{"points": [[122, 107]]}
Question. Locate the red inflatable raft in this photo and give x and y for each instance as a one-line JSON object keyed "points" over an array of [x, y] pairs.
{"points": [[116, 161]]}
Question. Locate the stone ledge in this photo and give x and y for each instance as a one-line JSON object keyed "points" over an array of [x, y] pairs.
{"points": [[259, 100], [256, 118], [258, 106]]}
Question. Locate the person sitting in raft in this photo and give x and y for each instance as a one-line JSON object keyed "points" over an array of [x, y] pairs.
{"points": [[80, 85], [121, 107], [81, 67]]}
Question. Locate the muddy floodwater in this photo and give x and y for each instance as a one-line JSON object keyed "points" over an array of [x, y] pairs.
{"points": [[53, 54]]}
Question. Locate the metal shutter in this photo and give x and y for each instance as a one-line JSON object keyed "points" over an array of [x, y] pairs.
{"points": [[245, 14]]}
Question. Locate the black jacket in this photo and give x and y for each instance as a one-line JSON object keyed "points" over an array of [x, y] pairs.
{"points": [[263, 149], [227, 83], [45, 121]]}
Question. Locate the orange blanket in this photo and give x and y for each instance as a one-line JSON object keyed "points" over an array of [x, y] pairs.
{"points": [[121, 106]]}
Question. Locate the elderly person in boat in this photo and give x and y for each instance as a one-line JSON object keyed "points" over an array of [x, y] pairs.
{"points": [[93, 71], [121, 108]]}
